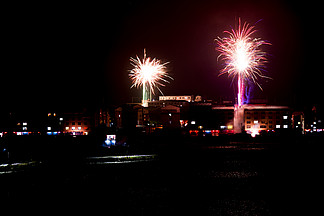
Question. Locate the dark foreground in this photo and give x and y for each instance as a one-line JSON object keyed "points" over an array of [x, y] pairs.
{"points": [[199, 177]]}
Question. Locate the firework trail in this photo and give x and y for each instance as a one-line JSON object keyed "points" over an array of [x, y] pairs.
{"points": [[242, 56], [148, 73]]}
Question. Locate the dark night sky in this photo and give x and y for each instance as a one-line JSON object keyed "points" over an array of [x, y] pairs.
{"points": [[71, 55]]}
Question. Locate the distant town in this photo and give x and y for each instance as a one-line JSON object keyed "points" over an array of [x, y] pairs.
{"points": [[192, 115]]}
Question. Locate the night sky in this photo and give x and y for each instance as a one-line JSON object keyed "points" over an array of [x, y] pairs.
{"points": [[58, 56]]}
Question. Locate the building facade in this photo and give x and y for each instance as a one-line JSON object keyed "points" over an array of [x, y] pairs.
{"points": [[76, 124]]}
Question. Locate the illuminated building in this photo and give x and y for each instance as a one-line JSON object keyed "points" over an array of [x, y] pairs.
{"points": [[259, 118], [76, 123], [53, 124], [176, 98]]}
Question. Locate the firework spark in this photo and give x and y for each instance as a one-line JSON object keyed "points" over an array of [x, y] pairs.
{"points": [[149, 73], [242, 56]]}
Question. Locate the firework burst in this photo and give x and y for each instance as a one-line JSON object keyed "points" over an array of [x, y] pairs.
{"points": [[148, 73], [242, 56]]}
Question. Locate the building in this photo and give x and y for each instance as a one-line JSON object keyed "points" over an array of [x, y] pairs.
{"points": [[265, 118], [53, 124], [127, 116], [176, 98], [224, 118], [102, 117], [76, 123], [197, 116], [163, 117]]}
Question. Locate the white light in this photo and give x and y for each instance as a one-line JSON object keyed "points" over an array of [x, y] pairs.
{"points": [[67, 128], [49, 128], [285, 126], [170, 114], [277, 126], [79, 128], [24, 123], [61, 119], [314, 122], [73, 128], [285, 117], [193, 122], [255, 121], [24, 128], [222, 127]]}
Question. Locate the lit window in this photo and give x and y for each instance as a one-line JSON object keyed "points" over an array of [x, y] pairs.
{"points": [[277, 126], [285, 126], [61, 119], [285, 117], [255, 121], [170, 114], [73, 128], [193, 122], [49, 128], [49, 114], [79, 128], [24, 123], [67, 128], [24, 128]]}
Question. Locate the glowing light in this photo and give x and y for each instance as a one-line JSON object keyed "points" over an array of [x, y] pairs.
{"points": [[148, 73], [254, 132], [242, 56]]}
